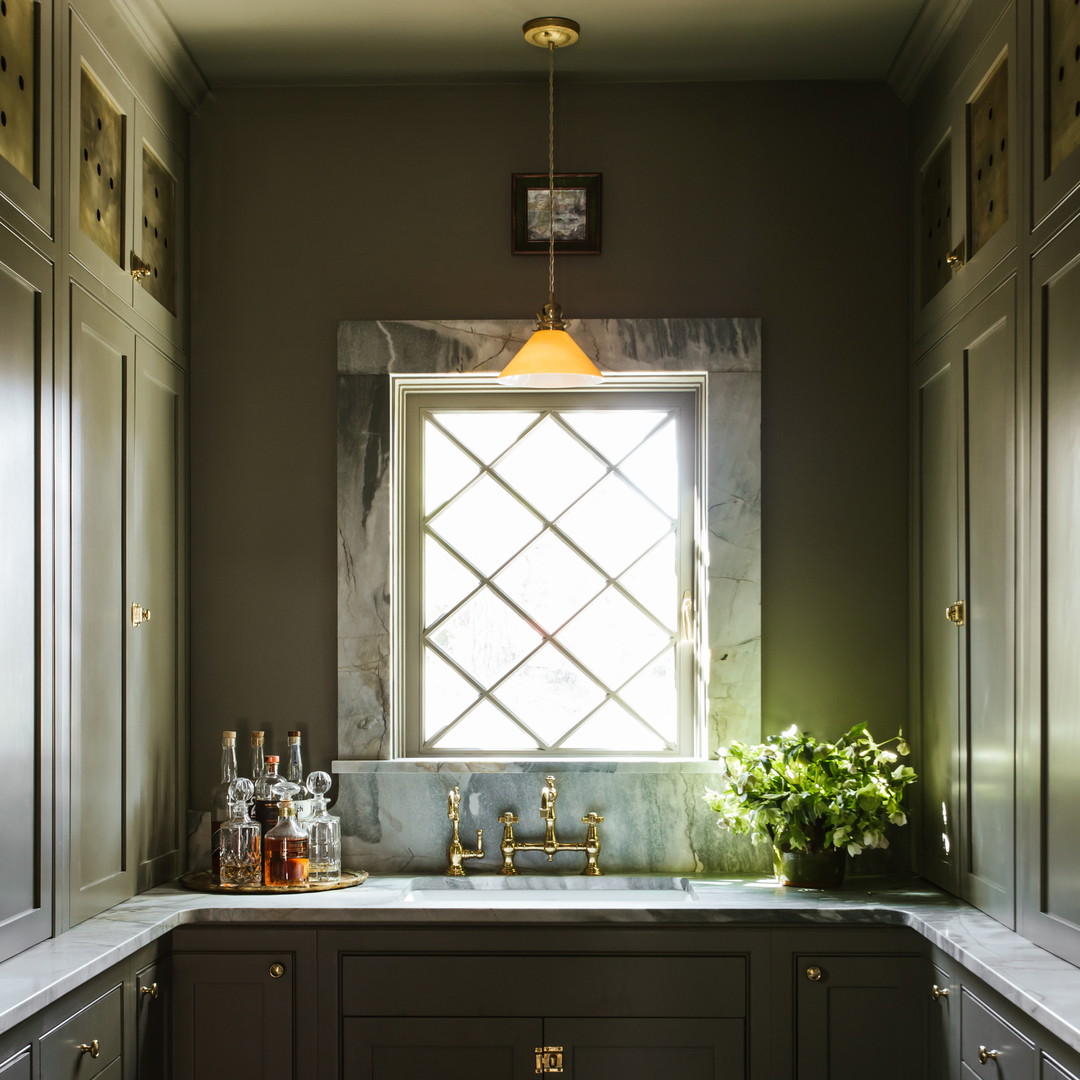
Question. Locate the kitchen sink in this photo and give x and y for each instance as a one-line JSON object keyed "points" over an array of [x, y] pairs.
{"points": [[554, 891]]}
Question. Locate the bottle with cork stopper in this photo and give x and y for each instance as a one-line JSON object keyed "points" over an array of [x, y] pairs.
{"points": [[268, 793]]}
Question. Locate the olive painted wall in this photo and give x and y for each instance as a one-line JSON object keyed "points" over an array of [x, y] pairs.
{"points": [[781, 200]]}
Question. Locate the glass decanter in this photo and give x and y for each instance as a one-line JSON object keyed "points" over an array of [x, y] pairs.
{"points": [[285, 849], [239, 840], [324, 833]]}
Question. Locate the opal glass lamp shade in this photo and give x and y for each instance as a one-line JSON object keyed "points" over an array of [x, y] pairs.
{"points": [[550, 359]]}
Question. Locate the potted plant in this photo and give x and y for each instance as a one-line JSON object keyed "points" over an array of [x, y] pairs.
{"points": [[814, 802]]}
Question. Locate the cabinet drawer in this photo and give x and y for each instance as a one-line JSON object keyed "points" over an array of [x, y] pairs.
{"points": [[982, 1028], [17, 1068], [682, 986], [100, 1022]]}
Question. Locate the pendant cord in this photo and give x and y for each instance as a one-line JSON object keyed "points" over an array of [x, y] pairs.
{"points": [[551, 173]]}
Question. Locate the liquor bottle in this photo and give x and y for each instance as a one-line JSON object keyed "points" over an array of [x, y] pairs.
{"points": [[240, 843], [324, 833], [285, 850], [294, 773], [267, 794], [220, 810], [258, 755]]}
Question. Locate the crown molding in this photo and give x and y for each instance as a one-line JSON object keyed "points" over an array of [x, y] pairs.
{"points": [[166, 49], [924, 43]]}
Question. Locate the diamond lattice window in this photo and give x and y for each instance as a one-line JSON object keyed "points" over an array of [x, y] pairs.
{"points": [[546, 569]]}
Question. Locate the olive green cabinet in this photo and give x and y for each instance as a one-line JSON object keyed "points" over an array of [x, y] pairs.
{"points": [[26, 378], [243, 1004], [127, 492], [967, 451]]}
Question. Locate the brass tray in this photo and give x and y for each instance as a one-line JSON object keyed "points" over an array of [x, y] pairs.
{"points": [[204, 881]]}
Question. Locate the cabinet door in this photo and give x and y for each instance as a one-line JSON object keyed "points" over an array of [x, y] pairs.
{"points": [[156, 702], [937, 743], [644, 1049], [419, 1048], [232, 1016], [152, 1021], [1051, 804], [18, 1067], [100, 141], [857, 1016], [102, 418], [25, 597], [966, 507]]}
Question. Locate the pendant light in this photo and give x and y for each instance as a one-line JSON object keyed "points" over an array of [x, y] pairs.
{"points": [[551, 357]]}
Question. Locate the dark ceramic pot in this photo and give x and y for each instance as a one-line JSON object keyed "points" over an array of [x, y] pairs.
{"points": [[810, 870]]}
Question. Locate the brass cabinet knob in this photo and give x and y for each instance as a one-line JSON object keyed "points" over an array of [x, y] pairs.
{"points": [[814, 974], [151, 990], [139, 268], [986, 1055], [939, 991], [92, 1048], [276, 971]]}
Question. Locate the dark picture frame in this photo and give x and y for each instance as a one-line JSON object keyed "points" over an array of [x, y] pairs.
{"points": [[577, 214]]}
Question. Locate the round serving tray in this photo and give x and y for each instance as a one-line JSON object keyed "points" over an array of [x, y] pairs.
{"points": [[204, 881]]}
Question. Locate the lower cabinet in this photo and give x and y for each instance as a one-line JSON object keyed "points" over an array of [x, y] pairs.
{"points": [[243, 1004], [112, 1028], [975, 1032]]}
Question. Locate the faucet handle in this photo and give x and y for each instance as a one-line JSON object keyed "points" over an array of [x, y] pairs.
{"points": [[591, 818], [508, 818]]}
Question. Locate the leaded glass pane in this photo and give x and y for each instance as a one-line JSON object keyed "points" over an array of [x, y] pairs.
{"points": [[485, 638], [612, 638], [446, 694], [654, 581], [486, 524], [486, 434], [550, 693], [652, 695], [614, 524], [654, 468], [550, 468], [487, 728], [614, 432], [549, 581], [612, 727], [447, 468], [446, 581]]}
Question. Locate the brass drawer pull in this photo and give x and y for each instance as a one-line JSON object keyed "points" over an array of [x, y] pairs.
{"points": [[276, 971], [937, 992], [986, 1055], [814, 974], [92, 1048], [152, 990]]}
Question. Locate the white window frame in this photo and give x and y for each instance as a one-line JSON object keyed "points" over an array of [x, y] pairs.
{"points": [[410, 394]]}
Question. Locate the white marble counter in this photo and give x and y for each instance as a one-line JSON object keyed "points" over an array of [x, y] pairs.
{"points": [[1041, 985]]}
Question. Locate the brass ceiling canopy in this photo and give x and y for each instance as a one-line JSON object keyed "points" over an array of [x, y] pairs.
{"points": [[550, 30]]}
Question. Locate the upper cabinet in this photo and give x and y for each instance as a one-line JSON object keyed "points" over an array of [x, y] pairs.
{"points": [[126, 190], [26, 108], [967, 174], [1055, 108]]}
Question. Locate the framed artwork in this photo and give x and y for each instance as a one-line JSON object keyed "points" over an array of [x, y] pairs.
{"points": [[577, 214]]}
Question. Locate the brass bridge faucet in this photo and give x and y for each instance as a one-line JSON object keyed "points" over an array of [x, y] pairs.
{"points": [[549, 845], [456, 852]]}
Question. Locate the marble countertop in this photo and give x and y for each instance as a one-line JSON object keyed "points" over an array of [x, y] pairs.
{"points": [[1040, 984]]}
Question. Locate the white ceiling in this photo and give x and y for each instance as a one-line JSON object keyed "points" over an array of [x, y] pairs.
{"points": [[403, 41]]}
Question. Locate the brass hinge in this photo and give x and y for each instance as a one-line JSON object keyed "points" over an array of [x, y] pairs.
{"points": [[549, 1059]]}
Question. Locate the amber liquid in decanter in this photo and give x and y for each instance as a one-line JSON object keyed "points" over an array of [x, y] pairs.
{"points": [[285, 860]]}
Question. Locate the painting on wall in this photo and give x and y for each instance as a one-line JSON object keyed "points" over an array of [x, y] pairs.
{"points": [[576, 212]]}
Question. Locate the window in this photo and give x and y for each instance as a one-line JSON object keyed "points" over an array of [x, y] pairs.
{"points": [[547, 568]]}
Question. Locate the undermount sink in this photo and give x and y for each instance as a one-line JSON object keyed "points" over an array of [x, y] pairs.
{"points": [[578, 891]]}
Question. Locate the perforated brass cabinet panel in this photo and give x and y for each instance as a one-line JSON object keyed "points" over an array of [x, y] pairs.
{"points": [[101, 167], [935, 218], [988, 161], [158, 230], [1063, 77], [19, 85]]}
